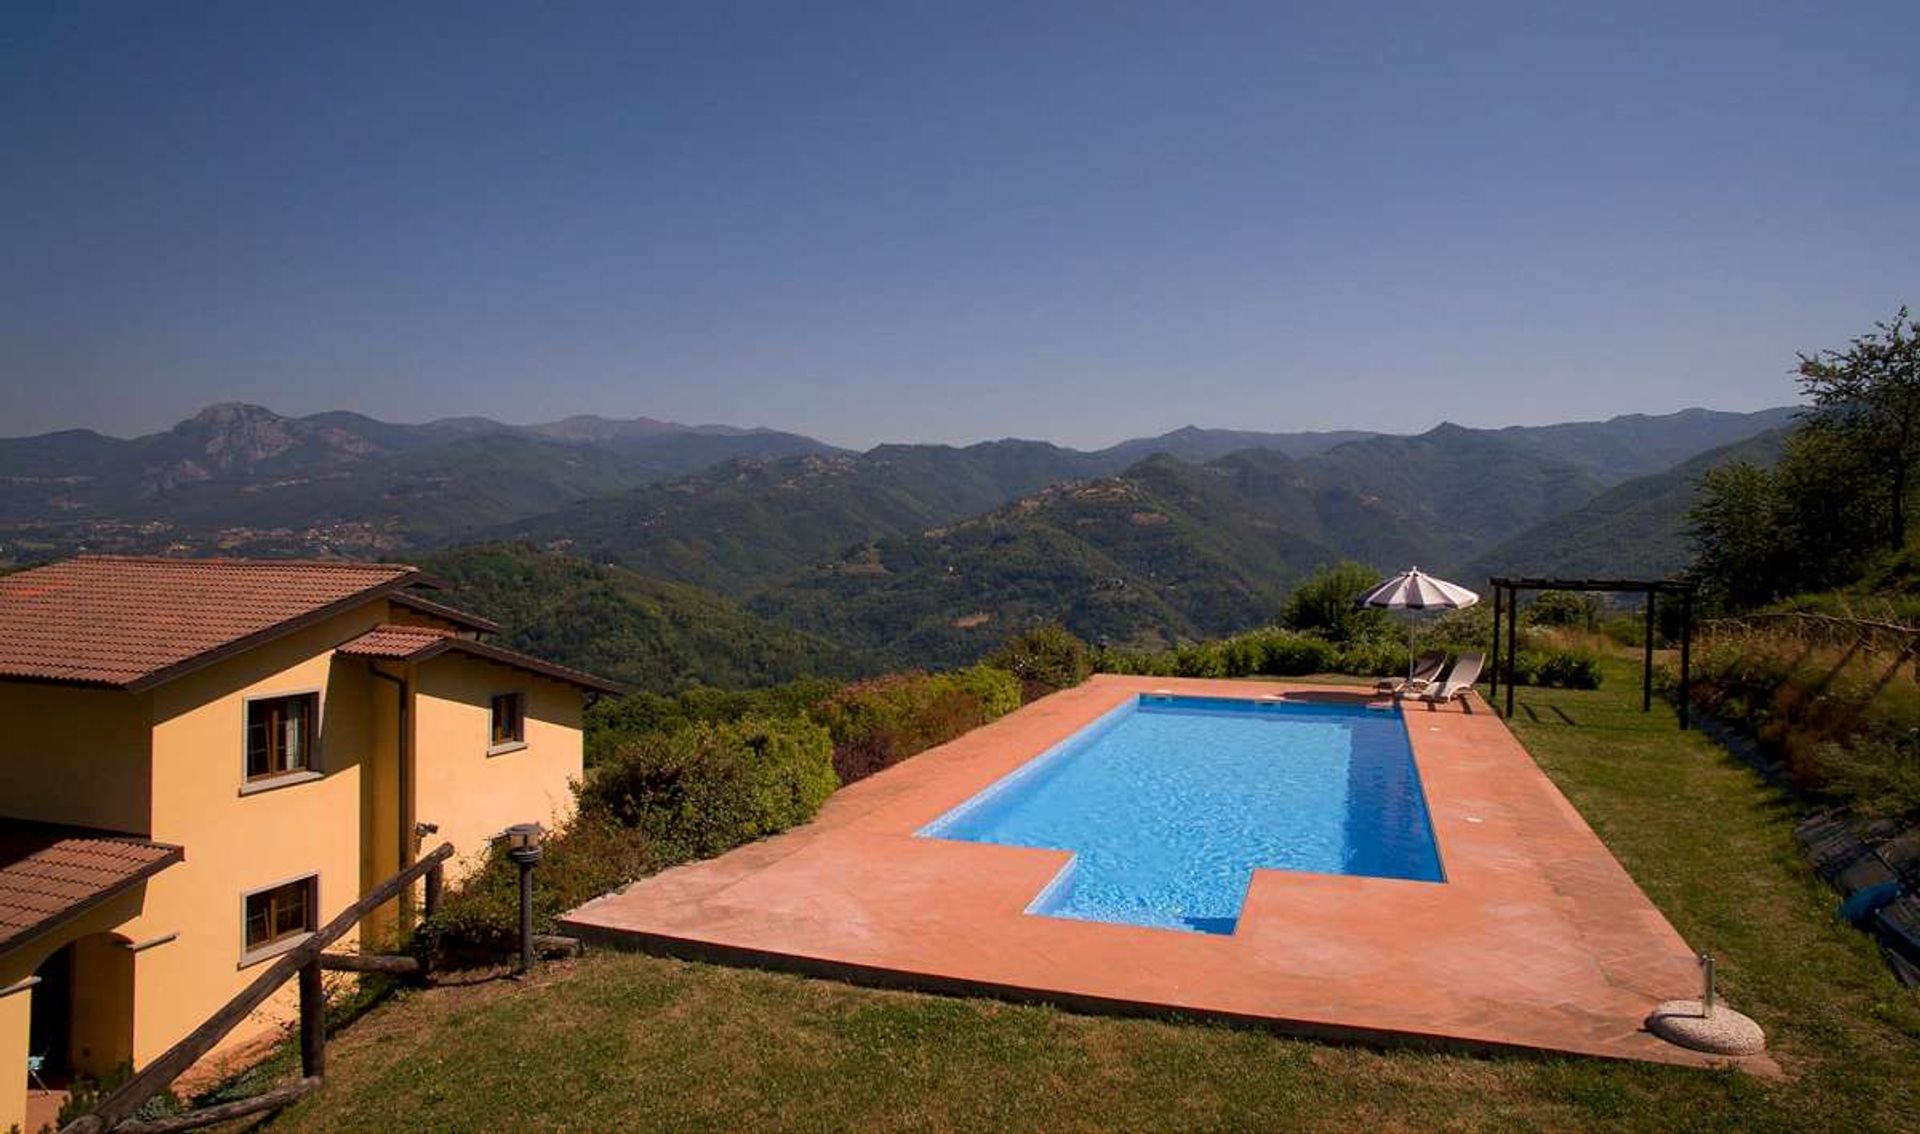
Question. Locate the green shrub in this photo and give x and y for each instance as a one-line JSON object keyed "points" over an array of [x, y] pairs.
{"points": [[1879, 769], [1628, 630], [614, 720], [1204, 660], [1323, 604], [588, 857], [875, 724], [710, 787], [1376, 659], [1046, 659], [1561, 608], [85, 1093], [1145, 663], [1568, 669], [1295, 655], [1844, 721]]}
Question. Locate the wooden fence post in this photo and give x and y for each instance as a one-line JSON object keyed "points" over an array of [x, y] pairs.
{"points": [[436, 878], [313, 1021]]}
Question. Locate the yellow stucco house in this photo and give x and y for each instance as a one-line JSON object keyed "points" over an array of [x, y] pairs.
{"points": [[207, 759]]}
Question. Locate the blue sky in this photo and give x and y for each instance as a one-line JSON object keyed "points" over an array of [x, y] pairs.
{"points": [[945, 222]]}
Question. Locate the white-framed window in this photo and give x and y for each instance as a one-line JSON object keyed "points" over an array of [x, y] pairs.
{"points": [[276, 918], [283, 736], [507, 721]]}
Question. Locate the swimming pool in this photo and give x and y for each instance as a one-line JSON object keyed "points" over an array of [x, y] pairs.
{"points": [[1170, 803]]}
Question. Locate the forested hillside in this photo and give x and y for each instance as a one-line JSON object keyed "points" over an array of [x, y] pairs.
{"points": [[833, 561], [1169, 551], [1638, 529], [649, 634]]}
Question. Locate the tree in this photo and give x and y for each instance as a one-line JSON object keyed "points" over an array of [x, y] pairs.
{"points": [[1562, 608], [1742, 547], [1323, 604], [1868, 396]]}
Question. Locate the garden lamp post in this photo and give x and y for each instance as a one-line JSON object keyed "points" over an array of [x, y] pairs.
{"points": [[523, 847]]}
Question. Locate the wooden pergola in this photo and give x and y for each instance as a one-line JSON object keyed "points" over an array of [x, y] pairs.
{"points": [[1506, 602]]}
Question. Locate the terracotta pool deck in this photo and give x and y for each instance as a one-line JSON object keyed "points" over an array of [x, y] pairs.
{"points": [[1537, 940]]}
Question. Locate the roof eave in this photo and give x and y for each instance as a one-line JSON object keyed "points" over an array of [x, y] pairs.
{"points": [[175, 854], [485, 652], [445, 613]]}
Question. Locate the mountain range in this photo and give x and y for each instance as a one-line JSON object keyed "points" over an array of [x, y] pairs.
{"points": [[807, 556]]}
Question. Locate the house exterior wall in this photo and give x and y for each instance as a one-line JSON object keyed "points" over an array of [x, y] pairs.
{"points": [[238, 839], [60, 737], [469, 793]]}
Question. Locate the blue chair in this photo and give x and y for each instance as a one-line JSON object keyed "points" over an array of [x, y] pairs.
{"points": [[35, 1065]]}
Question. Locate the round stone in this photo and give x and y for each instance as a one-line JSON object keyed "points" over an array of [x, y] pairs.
{"points": [[1724, 1032]]}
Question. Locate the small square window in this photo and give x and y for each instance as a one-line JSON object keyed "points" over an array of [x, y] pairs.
{"points": [[509, 720], [281, 913], [280, 735]]}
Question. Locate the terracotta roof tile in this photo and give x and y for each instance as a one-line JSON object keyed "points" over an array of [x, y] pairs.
{"points": [[49, 872], [107, 620], [419, 643], [395, 641]]}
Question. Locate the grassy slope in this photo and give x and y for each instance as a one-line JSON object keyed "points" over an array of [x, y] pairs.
{"points": [[635, 1042]]}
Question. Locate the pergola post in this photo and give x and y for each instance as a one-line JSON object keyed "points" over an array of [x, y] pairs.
{"points": [[1686, 659], [1506, 604], [1513, 617], [1646, 676], [1493, 672]]}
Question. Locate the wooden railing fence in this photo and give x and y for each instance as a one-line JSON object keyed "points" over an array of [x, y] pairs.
{"points": [[305, 962]]}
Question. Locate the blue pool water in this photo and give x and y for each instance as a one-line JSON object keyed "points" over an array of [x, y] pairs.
{"points": [[1170, 803]]}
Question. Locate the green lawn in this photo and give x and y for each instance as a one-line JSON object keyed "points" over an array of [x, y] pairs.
{"points": [[616, 1041]]}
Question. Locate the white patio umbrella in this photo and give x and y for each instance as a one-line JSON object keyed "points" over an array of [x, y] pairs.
{"points": [[1414, 589]]}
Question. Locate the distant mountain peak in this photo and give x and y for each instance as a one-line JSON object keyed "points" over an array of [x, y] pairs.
{"points": [[225, 414]]}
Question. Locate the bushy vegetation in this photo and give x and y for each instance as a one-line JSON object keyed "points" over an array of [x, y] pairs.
{"points": [[707, 788], [618, 719], [1563, 608], [1816, 551], [592, 855], [1324, 605], [1841, 492], [1270, 653], [1841, 713], [876, 724], [1045, 659]]}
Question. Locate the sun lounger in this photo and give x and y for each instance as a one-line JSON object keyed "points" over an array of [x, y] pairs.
{"points": [[1459, 680], [1425, 669]]}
